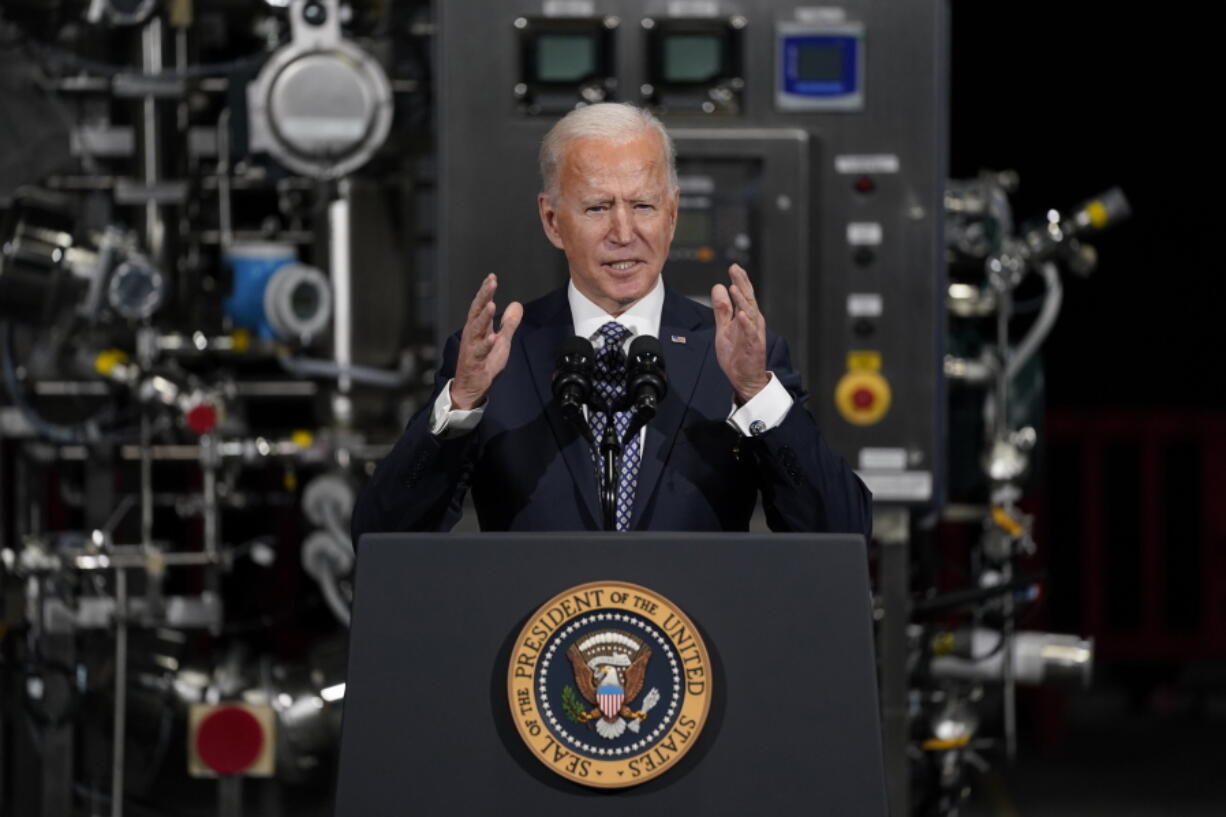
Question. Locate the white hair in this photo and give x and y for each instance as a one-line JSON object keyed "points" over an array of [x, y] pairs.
{"points": [[611, 121]]}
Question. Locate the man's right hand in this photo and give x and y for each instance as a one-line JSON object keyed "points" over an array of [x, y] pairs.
{"points": [[483, 352]]}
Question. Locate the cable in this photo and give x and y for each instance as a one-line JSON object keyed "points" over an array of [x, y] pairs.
{"points": [[1042, 326]]}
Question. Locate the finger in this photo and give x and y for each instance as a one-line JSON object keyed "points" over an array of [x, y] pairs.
{"points": [[511, 316], [501, 341], [743, 304], [748, 324], [485, 293], [741, 279], [722, 306], [479, 325]]}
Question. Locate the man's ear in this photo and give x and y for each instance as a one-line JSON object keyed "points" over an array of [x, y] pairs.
{"points": [[549, 220], [674, 203]]}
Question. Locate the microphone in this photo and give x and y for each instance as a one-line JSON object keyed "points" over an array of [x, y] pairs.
{"points": [[572, 377], [646, 382]]}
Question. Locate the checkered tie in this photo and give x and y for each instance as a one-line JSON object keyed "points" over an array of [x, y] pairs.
{"points": [[610, 383]]}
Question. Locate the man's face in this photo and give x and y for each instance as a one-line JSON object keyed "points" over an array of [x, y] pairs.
{"points": [[614, 217]]}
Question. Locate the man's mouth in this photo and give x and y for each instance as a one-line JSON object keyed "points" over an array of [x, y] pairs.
{"points": [[620, 266]]}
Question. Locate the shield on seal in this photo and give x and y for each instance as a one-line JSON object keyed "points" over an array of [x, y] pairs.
{"points": [[609, 699]]}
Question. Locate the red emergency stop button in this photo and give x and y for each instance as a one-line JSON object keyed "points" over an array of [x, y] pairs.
{"points": [[231, 739], [201, 418], [862, 398]]}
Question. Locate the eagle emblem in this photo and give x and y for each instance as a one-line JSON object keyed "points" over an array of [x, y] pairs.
{"points": [[609, 667]]}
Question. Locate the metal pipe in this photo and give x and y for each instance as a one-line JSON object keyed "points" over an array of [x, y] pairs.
{"points": [[382, 378], [891, 529], [1009, 670], [209, 462], [131, 558], [342, 296], [121, 692], [208, 469], [229, 796], [969, 370], [146, 480], [252, 451], [1004, 310], [223, 179], [151, 61], [181, 112]]}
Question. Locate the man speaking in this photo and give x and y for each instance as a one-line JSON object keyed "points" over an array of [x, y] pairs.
{"points": [[729, 425]]}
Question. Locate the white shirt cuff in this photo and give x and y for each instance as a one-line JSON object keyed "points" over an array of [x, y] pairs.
{"points": [[764, 411], [447, 422]]}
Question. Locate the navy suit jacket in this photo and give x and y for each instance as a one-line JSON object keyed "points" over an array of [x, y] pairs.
{"points": [[530, 470]]}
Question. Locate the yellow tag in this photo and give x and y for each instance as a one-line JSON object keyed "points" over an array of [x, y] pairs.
{"points": [[180, 13], [241, 339], [864, 360], [1097, 213], [943, 644], [1007, 523], [106, 362], [302, 438]]}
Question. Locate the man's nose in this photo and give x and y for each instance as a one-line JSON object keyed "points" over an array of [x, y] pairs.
{"points": [[621, 225]]}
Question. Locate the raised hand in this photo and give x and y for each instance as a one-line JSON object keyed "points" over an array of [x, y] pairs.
{"points": [[483, 352], [740, 335]]}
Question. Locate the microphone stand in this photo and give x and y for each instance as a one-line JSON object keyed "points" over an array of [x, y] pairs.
{"points": [[610, 458]]}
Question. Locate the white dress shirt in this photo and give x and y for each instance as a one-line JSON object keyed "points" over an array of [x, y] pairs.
{"points": [[769, 406]]}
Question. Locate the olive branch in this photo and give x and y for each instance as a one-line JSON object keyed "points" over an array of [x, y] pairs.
{"points": [[572, 706]]}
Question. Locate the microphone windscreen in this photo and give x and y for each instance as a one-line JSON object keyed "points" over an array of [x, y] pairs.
{"points": [[646, 344], [577, 347]]}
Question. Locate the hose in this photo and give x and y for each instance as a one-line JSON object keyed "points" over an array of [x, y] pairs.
{"points": [[1042, 326]]}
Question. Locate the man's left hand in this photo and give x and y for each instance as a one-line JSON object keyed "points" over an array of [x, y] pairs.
{"points": [[740, 335]]}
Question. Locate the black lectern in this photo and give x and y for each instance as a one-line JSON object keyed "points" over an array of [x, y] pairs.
{"points": [[792, 726]]}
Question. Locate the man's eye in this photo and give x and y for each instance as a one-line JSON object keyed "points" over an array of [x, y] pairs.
{"points": [[597, 208], [644, 207]]}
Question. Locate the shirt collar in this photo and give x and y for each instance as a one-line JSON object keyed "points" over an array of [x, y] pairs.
{"points": [[641, 319]]}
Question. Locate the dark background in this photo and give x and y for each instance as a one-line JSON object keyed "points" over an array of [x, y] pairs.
{"points": [[1078, 97]]}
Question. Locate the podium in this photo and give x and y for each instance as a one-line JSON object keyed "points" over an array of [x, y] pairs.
{"points": [[792, 725]]}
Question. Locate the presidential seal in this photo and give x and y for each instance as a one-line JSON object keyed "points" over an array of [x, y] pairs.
{"points": [[609, 684]]}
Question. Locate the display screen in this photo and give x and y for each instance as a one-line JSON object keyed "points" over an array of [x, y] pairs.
{"points": [[565, 57], [819, 63], [692, 57], [693, 227]]}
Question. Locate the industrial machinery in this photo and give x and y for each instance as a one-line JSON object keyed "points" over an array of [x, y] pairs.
{"points": [[232, 235], [206, 331], [965, 651]]}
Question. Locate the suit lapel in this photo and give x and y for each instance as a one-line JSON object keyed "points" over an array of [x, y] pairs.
{"points": [[541, 346], [683, 362]]}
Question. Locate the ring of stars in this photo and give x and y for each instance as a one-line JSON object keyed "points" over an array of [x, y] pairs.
{"points": [[577, 742]]}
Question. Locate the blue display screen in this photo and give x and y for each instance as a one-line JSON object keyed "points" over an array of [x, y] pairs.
{"points": [[821, 65]]}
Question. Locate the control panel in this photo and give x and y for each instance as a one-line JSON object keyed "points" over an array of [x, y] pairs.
{"points": [[821, 66], [810, 147]]}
